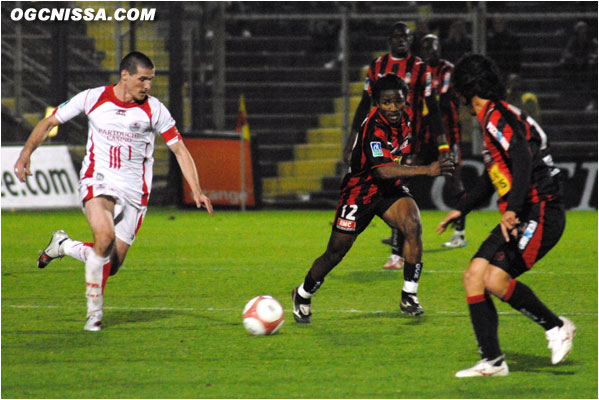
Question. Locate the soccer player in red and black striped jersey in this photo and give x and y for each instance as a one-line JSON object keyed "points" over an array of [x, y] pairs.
{"points": [[520, 169], [374, 185], [421, 99], [441, 71]]}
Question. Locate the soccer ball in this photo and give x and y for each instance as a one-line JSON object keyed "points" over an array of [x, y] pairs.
{"points": [[263, 315]]}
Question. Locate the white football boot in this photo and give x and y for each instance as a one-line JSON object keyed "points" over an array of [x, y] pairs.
{"points": [[458, 239], [94, 322], [394, 262], [484, 367], [560, 340], [53, 250]]}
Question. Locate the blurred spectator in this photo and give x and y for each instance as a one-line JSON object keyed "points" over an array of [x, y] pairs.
{"points": [[421, 30], [504, 48], [525, 101], [324, 33], [457, 43], [580, 53], [579, 66]]}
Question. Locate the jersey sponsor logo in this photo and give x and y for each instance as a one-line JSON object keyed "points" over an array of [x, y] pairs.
{"points": [[376, 148], [121, 112], [528, 233], [346, 225], [64, 104], [500, 181], [498, 135]]}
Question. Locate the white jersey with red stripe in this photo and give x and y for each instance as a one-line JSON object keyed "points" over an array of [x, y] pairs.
{"points": [[120, 143]]}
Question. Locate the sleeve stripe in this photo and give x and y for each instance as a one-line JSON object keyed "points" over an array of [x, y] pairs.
{"points": [[171, 136]]}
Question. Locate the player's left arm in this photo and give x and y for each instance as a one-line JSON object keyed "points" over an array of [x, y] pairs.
{"points": [[190, 173], [520, 155]]}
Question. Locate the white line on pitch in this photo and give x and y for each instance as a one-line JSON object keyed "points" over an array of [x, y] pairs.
{"points": [[236, 310]]}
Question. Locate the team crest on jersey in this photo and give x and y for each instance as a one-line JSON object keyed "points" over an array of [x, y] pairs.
{"points": [[377, 151], [134, 126]]}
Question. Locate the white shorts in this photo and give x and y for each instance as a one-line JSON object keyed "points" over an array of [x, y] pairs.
{"points": [[127, 217]]}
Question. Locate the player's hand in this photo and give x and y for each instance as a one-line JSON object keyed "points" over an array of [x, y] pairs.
{"points": [[445, 167], [22, 168], [508, 224], [451, 216], [201, 199]]}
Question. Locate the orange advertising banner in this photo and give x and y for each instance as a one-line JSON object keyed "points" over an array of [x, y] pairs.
{"points": [[218, 163]]}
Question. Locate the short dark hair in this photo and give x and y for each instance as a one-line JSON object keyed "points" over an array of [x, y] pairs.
{"points": [[389, 82], [398, 25], [133, 60], [477, 75]]}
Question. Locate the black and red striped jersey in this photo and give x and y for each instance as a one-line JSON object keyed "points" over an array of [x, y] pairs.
{"points": [[377, 144], [448, 101], [517, 157], [415, 73]]}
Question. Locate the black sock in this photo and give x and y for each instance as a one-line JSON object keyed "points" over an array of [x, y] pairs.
{"points": [[397, 242], [411, 272], [523, 299], [483, 315], [460, 223], [310, 285]]}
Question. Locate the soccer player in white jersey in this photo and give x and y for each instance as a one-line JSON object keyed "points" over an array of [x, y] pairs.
{"points": [[116, 174]]}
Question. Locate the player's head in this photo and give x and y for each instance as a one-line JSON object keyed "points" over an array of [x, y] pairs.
{"points": [[134, 60], [477, 75], [430, 49], [399, 38], [390, 93], [137, 72]]}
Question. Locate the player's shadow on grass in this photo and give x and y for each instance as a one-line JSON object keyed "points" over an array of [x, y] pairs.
{"points": [[532, 363], [374, 275], [123, 317], [405, 319]]}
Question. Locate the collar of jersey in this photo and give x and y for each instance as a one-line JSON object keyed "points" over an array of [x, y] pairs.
{"points": [[110, 94]]}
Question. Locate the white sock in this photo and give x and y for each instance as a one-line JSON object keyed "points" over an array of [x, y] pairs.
{"points": [[460, 233], [94, 268], [410, 287], [302, 292], [76, 249]]}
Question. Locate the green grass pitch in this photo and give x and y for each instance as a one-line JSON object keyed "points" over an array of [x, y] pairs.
{"points": [[173, 314]]}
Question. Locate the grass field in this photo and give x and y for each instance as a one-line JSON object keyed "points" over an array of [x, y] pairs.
{"points": [[173, 314]]}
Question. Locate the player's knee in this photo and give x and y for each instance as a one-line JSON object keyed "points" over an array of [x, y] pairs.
{"points": [[496, 284], [470, 277], [104, 242]]}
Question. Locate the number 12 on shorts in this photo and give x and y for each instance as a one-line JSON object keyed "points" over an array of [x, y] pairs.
{"points": [[351, 215]]}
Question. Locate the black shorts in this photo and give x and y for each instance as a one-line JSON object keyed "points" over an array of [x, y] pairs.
{"points": [[540, 229], [354, 218]]}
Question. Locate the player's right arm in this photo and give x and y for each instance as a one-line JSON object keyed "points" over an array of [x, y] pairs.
{"points": [[36, 138], [394, 171], [359, 117]]}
